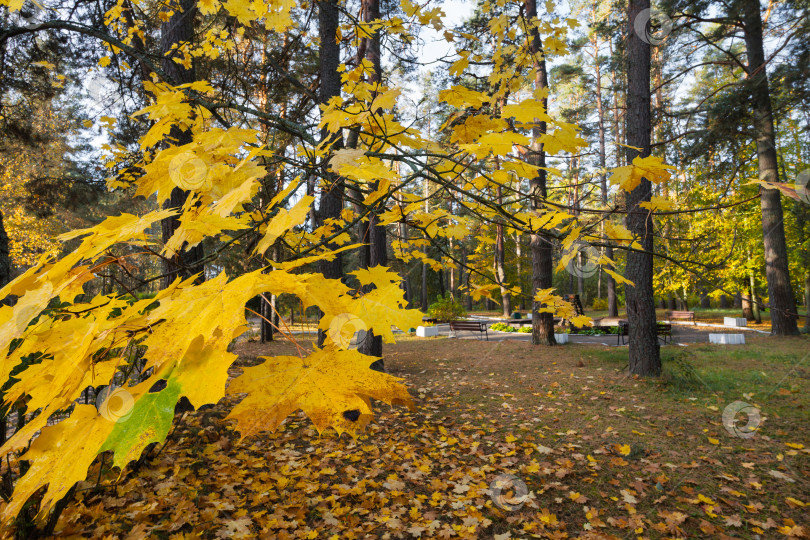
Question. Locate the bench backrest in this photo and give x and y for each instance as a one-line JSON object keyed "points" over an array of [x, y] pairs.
{"points": [[467, 325], [689, 314]]}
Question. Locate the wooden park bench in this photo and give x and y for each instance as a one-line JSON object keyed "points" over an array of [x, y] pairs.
{"points": [[469, 326], [685, 315], [662, 330], [518, 322]]}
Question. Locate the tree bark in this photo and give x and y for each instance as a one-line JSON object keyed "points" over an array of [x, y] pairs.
{"points": [[331, 198], [378, 254], [807, 301], [500, 271], [542, 272], [423, 292], [178, 30], [644, 350], [780, 294], [754, 299], [5, 261], [747, 309], [613, 309], [467, 296]]}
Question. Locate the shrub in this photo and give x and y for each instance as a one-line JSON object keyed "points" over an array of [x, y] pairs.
{"points": [[525, 330], [502, 327], [599, 304], [446, 309]]}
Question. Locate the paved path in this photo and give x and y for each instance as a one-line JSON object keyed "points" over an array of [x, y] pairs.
{"points": [[681, 334]]}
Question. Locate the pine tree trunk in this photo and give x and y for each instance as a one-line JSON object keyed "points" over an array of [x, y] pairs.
{"points": [[500, 271], [613, 310], [747, 310], [542, 254], [423, 292], [519, 270], [5, 261], [179, 29], [331, 198], [379, 246], [754, 299], [467, 296], [644, 350], [807, 301], [780, 295]]}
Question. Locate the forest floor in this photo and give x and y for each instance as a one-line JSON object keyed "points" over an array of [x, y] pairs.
{"points": [[507, 441]]}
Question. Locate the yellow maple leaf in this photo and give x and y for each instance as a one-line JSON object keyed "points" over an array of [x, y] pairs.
{"points": [[582, 321], [658, 203], [563, 139], [459, 96], [79, 436], [618, 277], [283, 222], [618, 232], [652, 168], [333, 387], [527, 111]]}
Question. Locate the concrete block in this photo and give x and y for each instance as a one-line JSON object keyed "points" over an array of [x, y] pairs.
{"points": [[427, 331], [727, 339], [735, 321], [562, 339]]}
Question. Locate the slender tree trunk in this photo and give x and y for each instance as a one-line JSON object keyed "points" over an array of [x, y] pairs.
{"points": [[644, 350], [705, 301], [754, 299], [176, 32], [807, 301], [440, 276], [423, 292], [266, 311], [519, 269], [542, 254], [5, 255], [5, 262], [467, 295], [780, 295], [500, 271], [378, 254], [747, 307], [331, 199]]}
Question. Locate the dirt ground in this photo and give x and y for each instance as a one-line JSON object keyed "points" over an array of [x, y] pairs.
{"points": [[507, 441]]}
